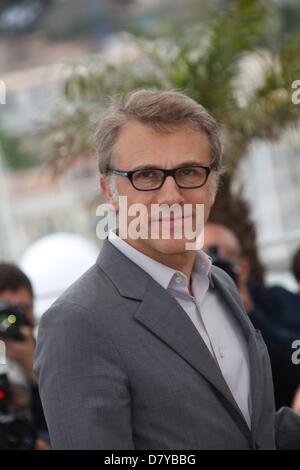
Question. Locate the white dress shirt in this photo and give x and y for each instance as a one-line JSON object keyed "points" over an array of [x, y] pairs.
{"points": [[211, 316]]}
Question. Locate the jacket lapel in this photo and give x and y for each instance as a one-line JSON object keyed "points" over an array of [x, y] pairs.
{"points": [[160, 313]]}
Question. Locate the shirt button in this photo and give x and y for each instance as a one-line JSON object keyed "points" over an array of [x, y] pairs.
{"points": [[178, 279]]}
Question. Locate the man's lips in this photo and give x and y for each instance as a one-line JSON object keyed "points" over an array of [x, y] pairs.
{"points": [[172, 219]]}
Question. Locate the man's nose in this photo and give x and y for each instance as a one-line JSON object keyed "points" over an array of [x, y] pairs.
{"points": [[170, 193]]}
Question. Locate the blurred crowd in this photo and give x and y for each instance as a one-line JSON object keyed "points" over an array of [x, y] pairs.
{"points": [[275, 311]]}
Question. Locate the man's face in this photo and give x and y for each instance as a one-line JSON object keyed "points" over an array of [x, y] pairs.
{"points": [[21, 297], [139, 146]]}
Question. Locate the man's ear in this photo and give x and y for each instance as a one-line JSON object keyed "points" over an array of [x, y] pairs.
{"points": [[104, 184]]}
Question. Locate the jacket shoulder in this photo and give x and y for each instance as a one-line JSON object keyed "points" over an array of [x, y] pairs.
{"points": [[88, 294]]}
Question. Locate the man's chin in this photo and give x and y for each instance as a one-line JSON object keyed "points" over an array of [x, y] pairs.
{"points": [[170, 246]]}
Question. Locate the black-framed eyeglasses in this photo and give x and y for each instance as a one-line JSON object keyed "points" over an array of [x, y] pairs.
{"points": [[150, 179]]}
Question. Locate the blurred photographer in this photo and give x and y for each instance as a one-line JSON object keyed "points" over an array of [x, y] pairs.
{"points": [[296, 272], [16, 330], [225, 250], [272, 310]]}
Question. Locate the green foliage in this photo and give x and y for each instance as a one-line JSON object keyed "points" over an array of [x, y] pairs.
{"points": [[203, 62], [15, 154]]}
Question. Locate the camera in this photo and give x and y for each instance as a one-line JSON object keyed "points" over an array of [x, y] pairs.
{"points": [[227, 266], [16, 430], [12, 318]]}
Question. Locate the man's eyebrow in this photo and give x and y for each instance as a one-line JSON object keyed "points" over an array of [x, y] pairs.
{"points": [[157, 167]]}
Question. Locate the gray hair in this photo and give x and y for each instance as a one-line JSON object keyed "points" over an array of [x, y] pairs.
{"points": [[159, 109]]}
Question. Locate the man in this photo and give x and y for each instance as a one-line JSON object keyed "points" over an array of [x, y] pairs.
{"points": [[151, 348], [16, 290]]}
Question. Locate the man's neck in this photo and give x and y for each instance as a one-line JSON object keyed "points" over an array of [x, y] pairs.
{"points": [[182, 261]]}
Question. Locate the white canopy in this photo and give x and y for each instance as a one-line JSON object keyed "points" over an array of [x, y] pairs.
{"points": [[53, 263]]}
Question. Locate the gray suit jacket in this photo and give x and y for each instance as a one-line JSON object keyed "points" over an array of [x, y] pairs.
{"points": [[121, 366]]}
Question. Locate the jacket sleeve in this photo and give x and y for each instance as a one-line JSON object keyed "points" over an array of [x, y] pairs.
{"points": [[287, 429], [83, 385]]}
